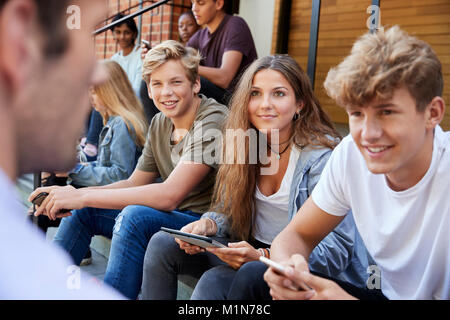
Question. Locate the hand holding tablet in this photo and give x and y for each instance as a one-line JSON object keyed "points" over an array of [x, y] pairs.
{"points": [[195, 239]]}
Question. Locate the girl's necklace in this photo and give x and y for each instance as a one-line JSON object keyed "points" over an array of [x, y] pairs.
{"points": [[279, 153]]}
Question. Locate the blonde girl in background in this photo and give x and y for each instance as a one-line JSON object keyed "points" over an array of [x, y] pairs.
{"points": [[123, 135]]}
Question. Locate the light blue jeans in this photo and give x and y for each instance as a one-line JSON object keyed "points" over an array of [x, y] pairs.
{"points": [[130, 230]]}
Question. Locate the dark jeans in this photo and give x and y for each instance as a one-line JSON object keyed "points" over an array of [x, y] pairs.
{"points": [[248, 283], [94, 128], [164, 261]]}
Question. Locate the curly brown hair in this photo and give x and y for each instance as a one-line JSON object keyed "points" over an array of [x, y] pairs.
{"points": [[381, 62]]}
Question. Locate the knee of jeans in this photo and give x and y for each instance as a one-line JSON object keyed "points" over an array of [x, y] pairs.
{"points": [[78, 220], [250, 273], [202, 290], [220, 278], [160, 247], [128, 215], [249, 282], [80, 215]]}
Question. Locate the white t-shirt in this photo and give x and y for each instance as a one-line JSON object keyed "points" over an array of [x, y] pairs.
{"points": [[271, 212], [407, 232], [132, 64], [32, 268]]}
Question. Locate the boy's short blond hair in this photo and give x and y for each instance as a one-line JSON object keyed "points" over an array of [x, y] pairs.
{"points": [[171, 50], [381, 62]]}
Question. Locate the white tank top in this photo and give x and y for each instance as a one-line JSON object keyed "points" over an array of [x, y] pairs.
{"points": [[271, 212]]}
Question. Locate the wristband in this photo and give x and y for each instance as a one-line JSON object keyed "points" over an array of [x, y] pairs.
{"points": [[265, 252], [261, 251]]}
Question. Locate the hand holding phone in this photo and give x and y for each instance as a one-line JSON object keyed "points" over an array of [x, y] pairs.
{"points": [[37, 201], [39, 198], [279, 268], [146, 43]]}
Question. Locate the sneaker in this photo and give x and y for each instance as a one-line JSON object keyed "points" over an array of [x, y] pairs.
{"points": [[87, 260]]}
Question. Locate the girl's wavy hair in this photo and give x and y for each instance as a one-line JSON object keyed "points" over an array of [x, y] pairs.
{"points": [[381, 62], [236, 183]]}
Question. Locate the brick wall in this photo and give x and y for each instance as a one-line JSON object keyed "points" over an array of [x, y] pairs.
{"points": [[157, 25]]}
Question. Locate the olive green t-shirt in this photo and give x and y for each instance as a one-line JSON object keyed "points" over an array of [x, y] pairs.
{"points": [[202, 144]]}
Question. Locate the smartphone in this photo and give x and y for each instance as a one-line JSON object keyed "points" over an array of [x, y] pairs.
{"points": [[281, 270], [147, 44], [195, 239], [40, 198]]}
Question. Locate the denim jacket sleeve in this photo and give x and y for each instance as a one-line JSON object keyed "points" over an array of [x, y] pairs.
{"points": [[315, 171], [343, 255], [116, 157], [336, 252]]}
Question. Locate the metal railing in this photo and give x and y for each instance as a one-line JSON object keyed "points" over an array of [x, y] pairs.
{"points": [[314, 37], [156, 8], [130, 16]]}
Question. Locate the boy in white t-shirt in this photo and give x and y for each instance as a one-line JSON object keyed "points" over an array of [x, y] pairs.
{"points": [[392, 171]]}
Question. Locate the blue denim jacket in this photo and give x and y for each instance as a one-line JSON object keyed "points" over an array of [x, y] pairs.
{"points": [[342, 253], [116, 159]]}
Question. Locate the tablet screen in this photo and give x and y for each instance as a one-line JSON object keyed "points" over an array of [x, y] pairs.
{"points": [[194, 239]]}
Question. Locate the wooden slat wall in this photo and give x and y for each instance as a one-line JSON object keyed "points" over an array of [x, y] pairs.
{"points": [[429, 20], [276, 25], [343, 21]]}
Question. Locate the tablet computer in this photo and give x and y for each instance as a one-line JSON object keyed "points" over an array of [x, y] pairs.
{"points": [[195, 239]]}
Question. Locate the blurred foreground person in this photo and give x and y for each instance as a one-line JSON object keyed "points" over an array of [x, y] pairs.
{"points": [[45, 73]]}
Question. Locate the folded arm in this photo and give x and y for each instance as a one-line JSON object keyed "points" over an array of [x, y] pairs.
{"points": [[223, 76]]}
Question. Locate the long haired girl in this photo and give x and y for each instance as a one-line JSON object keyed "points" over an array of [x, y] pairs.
{"points": [[306, 124]]}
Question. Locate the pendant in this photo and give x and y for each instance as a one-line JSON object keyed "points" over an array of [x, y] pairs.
{"points": [[278, 156]]}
